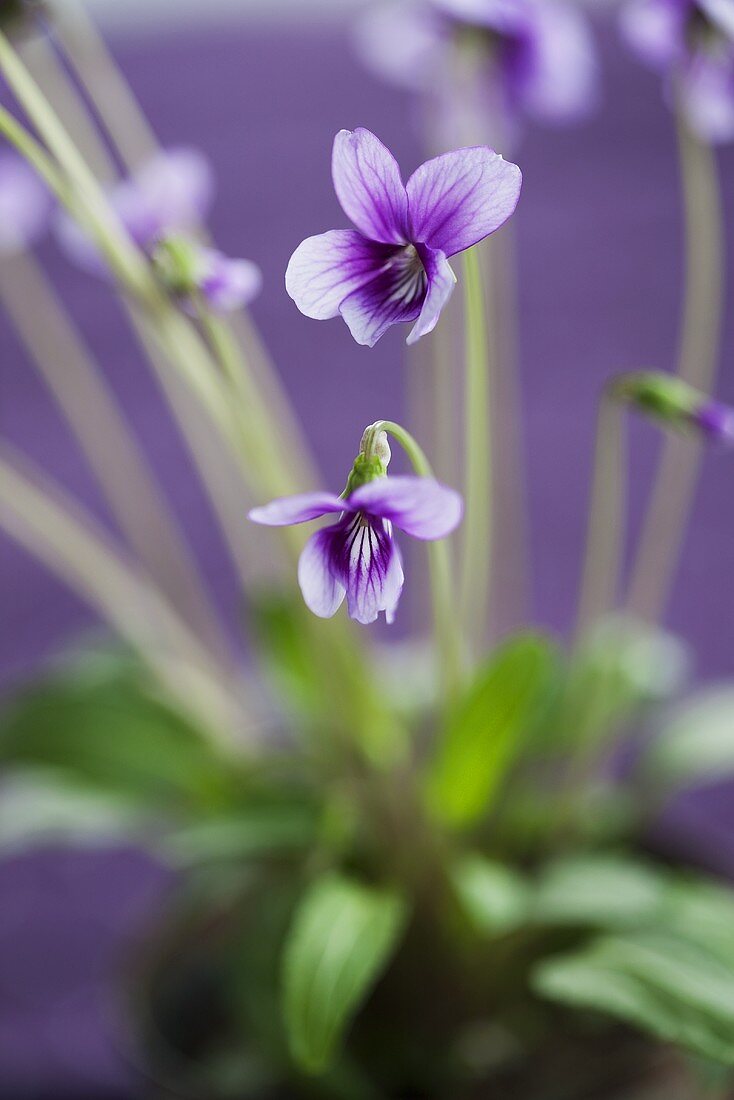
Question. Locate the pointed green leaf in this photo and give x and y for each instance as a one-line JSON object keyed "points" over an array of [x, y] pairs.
{"points": [[341, 939], [663, 984], [601, 891], [698, 744], [490, 728], [494, 897]]}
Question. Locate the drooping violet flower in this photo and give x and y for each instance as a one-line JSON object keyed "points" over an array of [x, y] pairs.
{"points": [[535, 58], [188, 269], [357, 556], [691, 42], [393, 268], [670, 401], [25, 204], [171, 192]]}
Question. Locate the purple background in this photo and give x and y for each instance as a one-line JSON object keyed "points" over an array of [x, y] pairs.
{"points": [[600, 271]]}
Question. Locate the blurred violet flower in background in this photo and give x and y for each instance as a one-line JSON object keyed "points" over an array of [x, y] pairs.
{"points": [[716, 422], [172, 191], [357, 556], [691, 42], [188, 268], [533, 58], [25, 204], [393, 268]]}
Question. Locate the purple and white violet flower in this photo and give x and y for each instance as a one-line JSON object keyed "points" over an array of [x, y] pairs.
{"points": [[25, 204], [357, 556], [535, 58], [187, 269], [172, 192], [394, 266], [691, 42]]}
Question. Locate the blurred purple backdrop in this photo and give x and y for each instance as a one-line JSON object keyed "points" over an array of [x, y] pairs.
{"points": [[600, 273]]}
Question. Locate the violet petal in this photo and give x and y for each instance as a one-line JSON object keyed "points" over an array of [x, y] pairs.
{"points": [[419, 506], [369, 187], [459, 198], [297, 509], [327, 268]]}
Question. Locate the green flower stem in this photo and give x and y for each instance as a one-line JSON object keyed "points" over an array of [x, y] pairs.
{"points": [[606, 537], [87, 53], [478, 459], [112, 451], [448, 642], [667, 518], [67, 541], [132, 137]]}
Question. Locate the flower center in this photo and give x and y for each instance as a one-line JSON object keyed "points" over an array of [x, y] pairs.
{"points": [[409, 274], [702, 33]]}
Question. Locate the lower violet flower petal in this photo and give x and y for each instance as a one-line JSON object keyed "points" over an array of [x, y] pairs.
{"points": [[322, 591], [441, 283], [394, 296], [327, 268]]}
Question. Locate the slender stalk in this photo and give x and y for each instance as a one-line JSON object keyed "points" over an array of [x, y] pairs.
{"points": [[448, 642], [605, 539], [511, 567], [66, 540], [131, 135], [87, 52], [667, 518], [43, 64], [478, 458], [112, 451]]}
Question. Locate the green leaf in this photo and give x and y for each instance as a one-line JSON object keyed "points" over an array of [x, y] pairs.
{"points": [[38, 809], [101, 725], [601, 891], [676, 990], [698, 744], [252, 831], [495, 898], [342, 937], [490, 728]]}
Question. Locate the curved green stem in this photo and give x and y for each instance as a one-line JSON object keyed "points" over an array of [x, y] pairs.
{"points": [[478, 458], [662, 538], [448, 642]]}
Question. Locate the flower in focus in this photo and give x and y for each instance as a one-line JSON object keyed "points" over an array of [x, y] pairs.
{"points": [[357, 556], [25, 204], [538, 56], [393, 268], [187, 269], [172, 191], [691, 42]]}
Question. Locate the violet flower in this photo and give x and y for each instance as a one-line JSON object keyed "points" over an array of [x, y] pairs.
{"points": [[25, 204], [691, 42], [393, 268], [188, 269], [172, 191], [715, 422], [538, 55], [357, 556]]}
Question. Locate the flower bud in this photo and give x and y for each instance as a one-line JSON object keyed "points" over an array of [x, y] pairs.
{"points": [[673, 403]]}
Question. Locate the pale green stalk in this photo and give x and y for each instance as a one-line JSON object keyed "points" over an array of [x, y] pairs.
{"points": [[113, 454], [67, 541], [606, 537], [43, 64], [478, 457], [448, 641], [132, 136], [667, 518]]}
